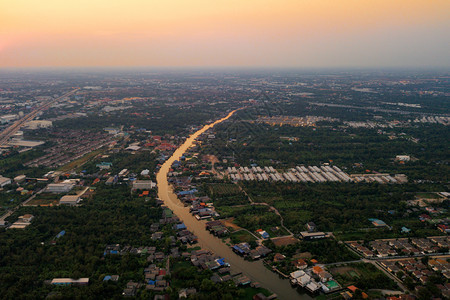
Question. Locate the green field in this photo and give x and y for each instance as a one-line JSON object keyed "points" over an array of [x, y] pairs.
{"points": [[365, 276], [427, 196], [241, 236], [80, 162], [224, 189]]}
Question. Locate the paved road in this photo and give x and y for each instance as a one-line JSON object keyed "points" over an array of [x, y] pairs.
{"points": [[12, 210], [271, 208], [388, 274], [6, 134]]}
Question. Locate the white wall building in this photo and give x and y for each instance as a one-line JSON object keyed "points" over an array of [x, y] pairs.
{"points": [[59, 187], [38, 124], [71, 200], [143, 184], [4, 181]]}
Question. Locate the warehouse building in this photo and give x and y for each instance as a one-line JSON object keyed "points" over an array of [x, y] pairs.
{"points": [[143, 185], [70, 281], [59, 187], [71, 200]]}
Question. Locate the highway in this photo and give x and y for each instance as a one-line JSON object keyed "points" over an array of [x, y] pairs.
{"points": [[11, 130]]}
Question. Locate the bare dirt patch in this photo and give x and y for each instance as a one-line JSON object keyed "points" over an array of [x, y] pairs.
{"points": [[229, 223], [284, 240]]}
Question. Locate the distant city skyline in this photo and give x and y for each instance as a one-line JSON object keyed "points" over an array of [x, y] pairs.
{"points": [[249, 33]]}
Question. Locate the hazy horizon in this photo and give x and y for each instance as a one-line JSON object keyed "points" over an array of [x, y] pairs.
{"points": [[292, 34]]}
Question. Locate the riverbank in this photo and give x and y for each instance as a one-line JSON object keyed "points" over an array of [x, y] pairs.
{"points": [[254, 270]]}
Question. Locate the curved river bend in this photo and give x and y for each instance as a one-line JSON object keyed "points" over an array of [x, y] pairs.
{"points": [[254, 270]]}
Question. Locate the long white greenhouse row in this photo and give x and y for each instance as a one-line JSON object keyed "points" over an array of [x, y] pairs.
{"points": [[305, 174]]}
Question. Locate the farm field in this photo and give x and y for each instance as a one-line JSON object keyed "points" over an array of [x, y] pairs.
{"points": [[226, 194], [225, 189]]}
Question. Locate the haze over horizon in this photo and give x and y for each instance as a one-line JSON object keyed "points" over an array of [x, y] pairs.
{"points": [[198, 33]]}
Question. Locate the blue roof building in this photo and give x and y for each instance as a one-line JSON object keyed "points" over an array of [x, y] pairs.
{"points": [[190, 192], [405, 230], [180, 226], [62, 233]]}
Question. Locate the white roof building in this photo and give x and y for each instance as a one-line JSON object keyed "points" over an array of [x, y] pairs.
{"points": [[4, 181], [143, 184], [22, 222], [297, 274], [69, 200], [59, 187], [304, 280], [312, 286], [36, 124], [67, 281], [133, 148], [403, 158]]}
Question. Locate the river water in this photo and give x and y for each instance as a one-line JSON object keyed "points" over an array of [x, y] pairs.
{"points": [[254, 270]]}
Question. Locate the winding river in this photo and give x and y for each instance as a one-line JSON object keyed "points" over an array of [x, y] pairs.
{"points": [[254, 270]]}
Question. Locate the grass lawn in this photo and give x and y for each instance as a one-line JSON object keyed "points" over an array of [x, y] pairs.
{"points": [[43, 202], [79, 162], [428, 196], [365, 276], [241, 236], [347, 275], [279, 232]]}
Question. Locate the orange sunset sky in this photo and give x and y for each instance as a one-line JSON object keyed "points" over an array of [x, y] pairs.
{"points": [[244, 33]]}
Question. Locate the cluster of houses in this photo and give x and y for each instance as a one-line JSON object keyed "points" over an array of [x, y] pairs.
{"points": [[417, 269], [202, 210], [308, 174], [200, 207], [400, 247], [217, 228], [349, 293], [294, 121], [311, 232], [150, 252], [79, 142], [205, 260], [184, 235], [187, 191], [168, 217], [131, 289], [22, 222], [314, 279], [166, 143], [442, 224], [155, 278], [244, 249]]}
